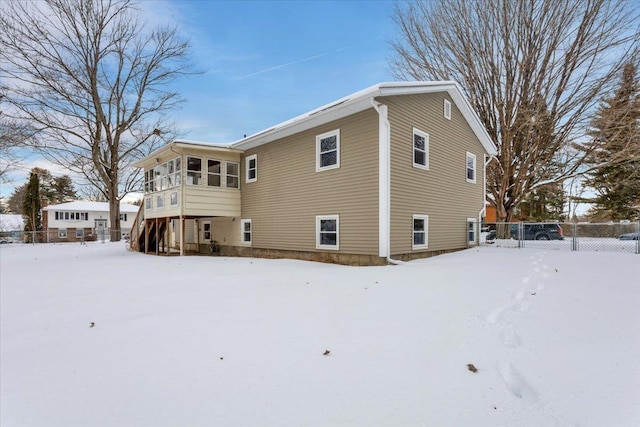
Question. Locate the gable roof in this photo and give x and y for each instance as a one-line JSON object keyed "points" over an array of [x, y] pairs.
{"points": [[363, 100], [90, 206]]}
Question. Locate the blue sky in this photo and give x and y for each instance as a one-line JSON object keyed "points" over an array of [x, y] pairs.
{"points": [[264, 62], [268, 61]]}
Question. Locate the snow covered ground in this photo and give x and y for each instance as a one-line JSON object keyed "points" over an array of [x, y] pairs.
{"points": [[205, 341]]}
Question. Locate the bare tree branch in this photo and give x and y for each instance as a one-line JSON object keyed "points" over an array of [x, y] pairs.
{"points": [[93, 83], [533, 71]]}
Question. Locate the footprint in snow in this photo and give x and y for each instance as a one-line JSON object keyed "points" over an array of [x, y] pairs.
{"points": [[516, 383]]}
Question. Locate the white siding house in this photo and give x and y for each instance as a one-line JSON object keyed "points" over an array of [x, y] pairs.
{"points": [[75, 221]]}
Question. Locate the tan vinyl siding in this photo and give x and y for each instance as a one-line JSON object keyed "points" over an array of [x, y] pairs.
{"points": [[289, 193], [441, 192]]}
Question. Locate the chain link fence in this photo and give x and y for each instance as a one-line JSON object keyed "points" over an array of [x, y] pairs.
{"points": [[598, 237], [68, 236]]}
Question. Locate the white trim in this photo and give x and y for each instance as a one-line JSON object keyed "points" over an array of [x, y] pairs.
{"points": [[62, 233], [207, 173], [424, 245], [384, 180], [361, 101], [424, 135], [475, 169], [447, 109], [242, 232], [475, 231], [246, 164], [319, 139], [328, 217], [227, 175], [187, 171], [202, 231]]}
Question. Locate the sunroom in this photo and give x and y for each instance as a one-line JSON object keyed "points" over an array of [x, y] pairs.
{"points": [[191, 199]]}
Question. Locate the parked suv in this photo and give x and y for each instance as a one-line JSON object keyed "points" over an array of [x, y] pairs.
{"points": [[537, 231]]}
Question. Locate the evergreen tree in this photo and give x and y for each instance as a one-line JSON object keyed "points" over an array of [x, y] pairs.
{"points": [[52, 189], [544, 204], [31, 205], [616, 128]]}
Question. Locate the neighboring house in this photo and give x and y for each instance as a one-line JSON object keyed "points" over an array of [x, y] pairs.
{"points": [[10, 222], [77, 221], [396, 171]]}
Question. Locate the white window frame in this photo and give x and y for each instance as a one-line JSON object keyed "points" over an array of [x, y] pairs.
{"points": [[473, 221], [160, 201], [148, 204], [218, 174], [62, 233], [204, 231], [193, 171], [319, 245], [79, 233], [123, 217], [228, 175], [173, 196], [466, 167], [447, 109], [243, 232], [319, 139], [424, 135], [424, 245], [247, 160]]}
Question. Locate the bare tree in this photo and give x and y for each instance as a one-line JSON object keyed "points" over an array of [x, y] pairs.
{"points": [[94, 83], [533, 70]]}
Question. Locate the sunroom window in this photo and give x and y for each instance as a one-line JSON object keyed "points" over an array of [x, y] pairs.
{"points": [[213, 173], [194, 171]]}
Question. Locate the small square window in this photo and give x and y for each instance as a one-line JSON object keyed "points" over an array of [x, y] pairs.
{"points": [[160, 201], [420, 231], [420, 149], [174, 198], [328, 150], [247, 231], [328, 232], [79, 233], [62, 233], [471, 167], [447, 109], [252, 168]]}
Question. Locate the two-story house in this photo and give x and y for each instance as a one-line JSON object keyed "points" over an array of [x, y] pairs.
{"points": [[77, 221], [393, 172]]}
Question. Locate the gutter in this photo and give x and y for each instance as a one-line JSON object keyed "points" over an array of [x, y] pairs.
{"points": [[384, 183]]}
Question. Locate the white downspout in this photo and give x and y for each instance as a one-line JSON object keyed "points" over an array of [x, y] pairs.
{"points": [[384, 183], [484, 194]]}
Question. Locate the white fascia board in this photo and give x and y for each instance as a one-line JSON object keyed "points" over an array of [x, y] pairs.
{"points": [[183, 143], [361, 101]]}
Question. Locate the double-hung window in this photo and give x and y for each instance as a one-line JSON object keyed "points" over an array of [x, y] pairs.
{"points": [[328, 150], [471, 167], [251, 166], [194, 171], [420, 232], [420, 149], [233, 175], [328, 232], [213, 173], [247, 231]]}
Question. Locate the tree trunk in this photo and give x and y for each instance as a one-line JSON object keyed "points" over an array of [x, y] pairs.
{"points": [[114, 213]]}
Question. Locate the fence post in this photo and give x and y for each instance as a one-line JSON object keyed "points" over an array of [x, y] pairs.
{"points": [[520, 235], [574, 237]]}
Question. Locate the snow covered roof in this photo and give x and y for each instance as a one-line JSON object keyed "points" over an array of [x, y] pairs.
{"points": [[90, 206], [361, 101], [185, 143], [11, 222]]}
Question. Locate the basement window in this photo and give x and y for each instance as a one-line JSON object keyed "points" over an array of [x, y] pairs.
{"points": [[328, 232]]}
